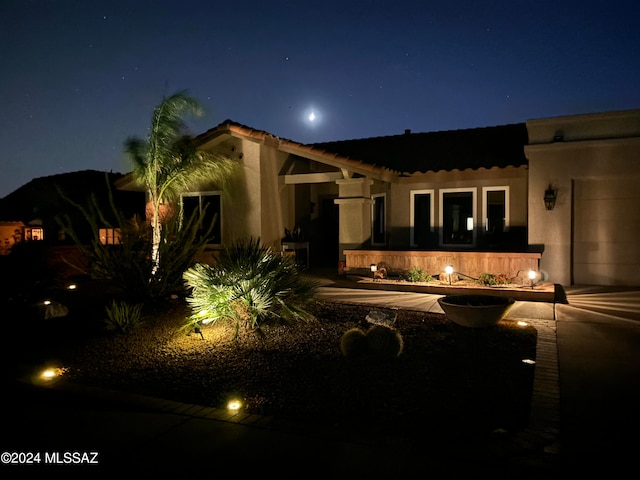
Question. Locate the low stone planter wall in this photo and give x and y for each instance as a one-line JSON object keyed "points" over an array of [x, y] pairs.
{"points": [[472, 264]]}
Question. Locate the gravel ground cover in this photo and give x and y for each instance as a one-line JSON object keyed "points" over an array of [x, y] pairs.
{"points": [[448, 380]]}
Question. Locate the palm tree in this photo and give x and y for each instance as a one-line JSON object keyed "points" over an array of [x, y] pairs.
{"points": [[167, 163]]}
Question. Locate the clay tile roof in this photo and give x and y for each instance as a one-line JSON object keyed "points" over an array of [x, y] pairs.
{"points": [[409, 153], [487, 147]]}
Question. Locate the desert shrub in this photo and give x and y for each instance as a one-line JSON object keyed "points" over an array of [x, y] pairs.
{"points": [[384, 342], [128, 265], [493, 279], [417, 274], [251, 286], [123, 317], [353, 343]]}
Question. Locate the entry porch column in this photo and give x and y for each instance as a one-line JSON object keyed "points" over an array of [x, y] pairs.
{"points": [[354, 207]]}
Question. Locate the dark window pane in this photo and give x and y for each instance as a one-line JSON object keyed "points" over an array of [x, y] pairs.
{"points": [[496, 211], [422, 219], [456, 209], [209, 207], [378, 220], [211, 204]]}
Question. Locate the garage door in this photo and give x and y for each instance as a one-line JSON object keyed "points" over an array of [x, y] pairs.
{"points": [[606, 232]]}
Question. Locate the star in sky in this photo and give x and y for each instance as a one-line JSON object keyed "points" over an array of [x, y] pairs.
{"points": [[80, 77]]}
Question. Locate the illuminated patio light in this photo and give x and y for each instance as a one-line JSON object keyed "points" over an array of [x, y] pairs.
{"points": [[520, 323], [532, 276], [47, 302], [448, 270], [234, 405], [72, 286], [528, 361]]}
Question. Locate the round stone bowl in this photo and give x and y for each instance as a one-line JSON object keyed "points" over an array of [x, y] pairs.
{"points": [[475, 311]]}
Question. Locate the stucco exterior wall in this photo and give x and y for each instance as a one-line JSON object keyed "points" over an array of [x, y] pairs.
{"points": [[592, 147], [276, 202], [256, 204], [399, 220]]}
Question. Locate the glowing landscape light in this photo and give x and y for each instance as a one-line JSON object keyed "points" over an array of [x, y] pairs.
{"points": [[51, 373], [528, 361], [449, 270], [234, 405]]}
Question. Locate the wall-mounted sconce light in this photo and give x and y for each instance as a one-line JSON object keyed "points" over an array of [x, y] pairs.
{"points": [[374, 268], [550, 195]]}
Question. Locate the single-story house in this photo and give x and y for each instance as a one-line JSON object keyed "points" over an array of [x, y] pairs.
{"points": [[557, 195]]}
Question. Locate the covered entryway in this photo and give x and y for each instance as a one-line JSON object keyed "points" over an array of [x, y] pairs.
{"points": [[606, 221]]}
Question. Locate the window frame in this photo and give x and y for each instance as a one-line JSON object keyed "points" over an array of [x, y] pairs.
{"points": [[485, 207], [375, 198], [200, 195], [413, 193], [109, 236], [474, 207]]}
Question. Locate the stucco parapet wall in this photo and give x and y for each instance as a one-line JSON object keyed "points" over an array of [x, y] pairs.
{"points": [[593, 126], [582, 144], [473, 263]]}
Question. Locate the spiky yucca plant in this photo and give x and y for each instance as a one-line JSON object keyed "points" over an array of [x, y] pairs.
{"points": [[250, 286], [123, 317], [128, 265]]}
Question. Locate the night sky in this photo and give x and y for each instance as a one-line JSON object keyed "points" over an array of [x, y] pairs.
{"points": [[79, 77]]}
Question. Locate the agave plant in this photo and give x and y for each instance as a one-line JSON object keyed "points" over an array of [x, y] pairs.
{"points": [[250, 286]]}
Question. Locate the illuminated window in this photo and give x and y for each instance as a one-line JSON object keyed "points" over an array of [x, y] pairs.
{"points": [[209, 205], [109, 236], [421, 218], [378, 219], [36, 233], [458, 213]]}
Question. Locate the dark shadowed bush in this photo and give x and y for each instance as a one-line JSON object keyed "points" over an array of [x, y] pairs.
{"points": [[384, 342], [353, 343], [127, 264]]}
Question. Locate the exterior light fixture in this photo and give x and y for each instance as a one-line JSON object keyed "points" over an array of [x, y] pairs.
{"points": [[234, 405], [51, 374], [72, 286], [550, 196], [532, 276], [374, 269], [448, 270]]}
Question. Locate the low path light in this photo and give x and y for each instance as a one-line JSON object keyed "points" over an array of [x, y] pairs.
{"points": [[374, 269], [234, 405], [448, 270]]}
